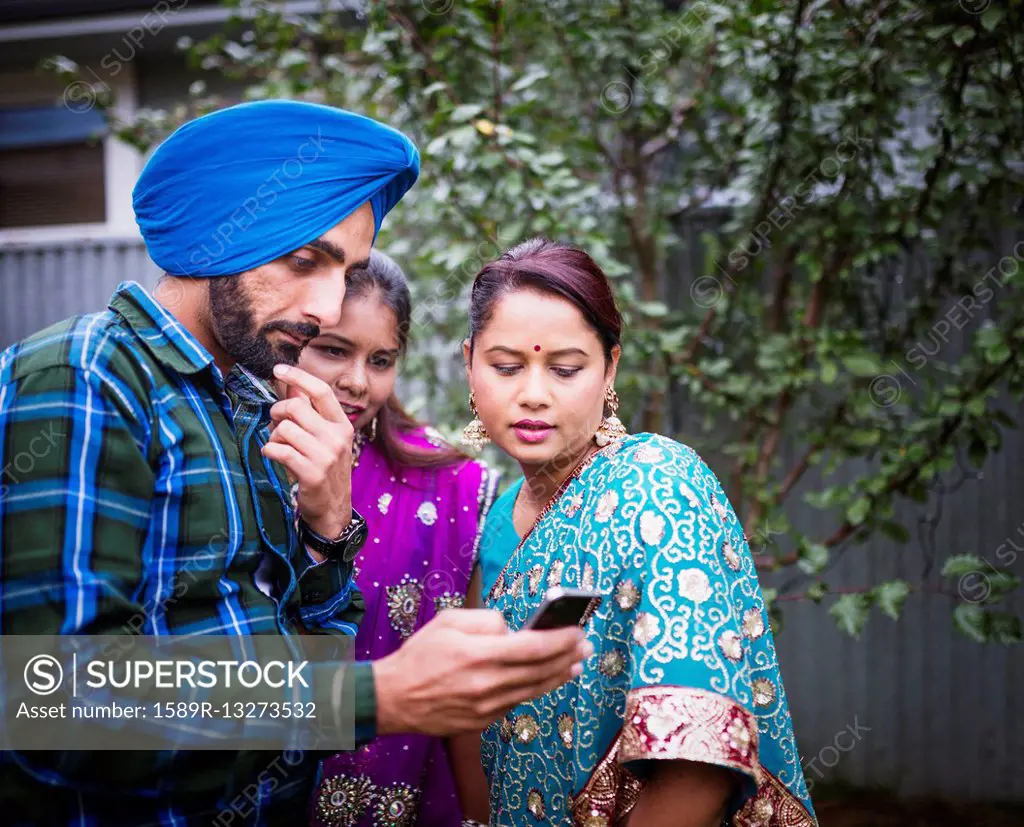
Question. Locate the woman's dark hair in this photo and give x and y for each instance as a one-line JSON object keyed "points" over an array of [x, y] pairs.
{"points": [[385, 278], [549, 267]]}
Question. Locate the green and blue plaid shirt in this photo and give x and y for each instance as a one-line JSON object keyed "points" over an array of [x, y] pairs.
{"points": [[134, 499]]}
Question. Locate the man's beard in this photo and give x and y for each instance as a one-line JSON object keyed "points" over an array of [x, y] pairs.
{"points": [[235, 331]]}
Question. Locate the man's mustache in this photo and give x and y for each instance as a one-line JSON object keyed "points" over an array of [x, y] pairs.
{"points": [[302, 331]]}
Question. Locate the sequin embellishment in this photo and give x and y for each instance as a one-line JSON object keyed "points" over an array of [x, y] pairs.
{"points": [[764, 692], [627, 595], [343, 800], [694, 585], [753, 624], [404, 605], [606, 506], [396, 806], [613, 663], [652, 528], [566, 729], [731, 645], [535, 804], [646, 628], [427, 513], [525, 728], [384, 502]]}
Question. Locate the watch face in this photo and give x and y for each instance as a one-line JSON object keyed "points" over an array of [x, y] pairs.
{"points": [[357, 538]]}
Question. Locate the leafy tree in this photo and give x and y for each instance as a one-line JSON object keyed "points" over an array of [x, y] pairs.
{"points": [[810, 211]]}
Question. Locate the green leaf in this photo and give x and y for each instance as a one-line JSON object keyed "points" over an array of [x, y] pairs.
{"points": [[813, 558], [817, 591], [992, 17], [861, 365], [962, 35], [851, 612], [895, 531], [970, 620], [1003, 627], [865, 438], [960, 564], [858, 512], [890, 597], [829, 372], [653, 309], [466, 111]]}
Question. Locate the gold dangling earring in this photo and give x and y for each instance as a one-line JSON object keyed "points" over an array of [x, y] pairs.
{"points": [[611, 427], [474, 434], [373, 429]]}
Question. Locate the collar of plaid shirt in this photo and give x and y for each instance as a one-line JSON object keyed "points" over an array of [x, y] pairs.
{"points": [[149, 507]]}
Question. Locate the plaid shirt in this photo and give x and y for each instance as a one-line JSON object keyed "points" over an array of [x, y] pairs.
{"points": [[135, 500]]}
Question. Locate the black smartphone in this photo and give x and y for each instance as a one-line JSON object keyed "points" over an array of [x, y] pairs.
{"points": [[563, 607]]}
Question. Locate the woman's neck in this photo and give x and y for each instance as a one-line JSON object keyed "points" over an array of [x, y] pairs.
{"points": [[542, 481]]}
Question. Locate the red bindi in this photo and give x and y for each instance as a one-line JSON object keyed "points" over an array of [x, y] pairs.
{"points": [[537, 348]]}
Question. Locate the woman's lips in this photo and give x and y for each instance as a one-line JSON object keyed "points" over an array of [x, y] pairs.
{"points": [[532, 432]]}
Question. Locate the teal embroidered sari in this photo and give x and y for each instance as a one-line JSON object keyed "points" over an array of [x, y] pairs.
{"points": [[684, 664]]}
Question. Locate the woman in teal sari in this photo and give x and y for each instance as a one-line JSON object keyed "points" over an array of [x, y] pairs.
{"points": [[679, 717]]}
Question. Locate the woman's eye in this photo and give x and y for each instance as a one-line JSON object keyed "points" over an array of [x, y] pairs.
{"points": [[567, 373], [302, 263], [382, 363], [333, 352], [506, 370]]}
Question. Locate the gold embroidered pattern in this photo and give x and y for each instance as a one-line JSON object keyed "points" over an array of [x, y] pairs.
{"points": [[535, 804], [613, 663], [505, 732], [525, 728], [680, 722], [764, 692], [627, 595], [773, 806], [396, 806], [343, 800], [587, 582], [566, 729], [404, 605], [516, 587], [609, 794]]}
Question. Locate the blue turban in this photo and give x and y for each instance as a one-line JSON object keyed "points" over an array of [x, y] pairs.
{"points": [[240, 187]]}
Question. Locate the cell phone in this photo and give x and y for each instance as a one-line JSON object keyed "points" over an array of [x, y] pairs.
{"points": [[563, 607]]}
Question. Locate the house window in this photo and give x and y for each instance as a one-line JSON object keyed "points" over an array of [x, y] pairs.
{"points": [[51, 168], [63, 176]]}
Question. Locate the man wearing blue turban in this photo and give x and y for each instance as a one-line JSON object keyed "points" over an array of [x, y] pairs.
{"points": [[161, 506]]}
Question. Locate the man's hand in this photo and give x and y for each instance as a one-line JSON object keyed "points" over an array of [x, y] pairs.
{"points": [[464, 669], [312, 438]]}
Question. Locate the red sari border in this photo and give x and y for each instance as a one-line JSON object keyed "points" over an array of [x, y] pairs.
{"points": [[683, 723]]}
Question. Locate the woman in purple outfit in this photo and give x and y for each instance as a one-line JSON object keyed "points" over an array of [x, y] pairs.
{"points": [[423, 502]]}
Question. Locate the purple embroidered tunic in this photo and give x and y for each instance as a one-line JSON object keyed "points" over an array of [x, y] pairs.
{"points": [[423, 535]]}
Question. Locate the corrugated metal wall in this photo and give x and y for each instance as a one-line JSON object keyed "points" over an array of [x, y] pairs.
{"points": [[40, 285], [924, 711]]}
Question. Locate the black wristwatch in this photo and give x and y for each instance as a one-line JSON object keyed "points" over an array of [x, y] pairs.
{"points": [[345, 547]]}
